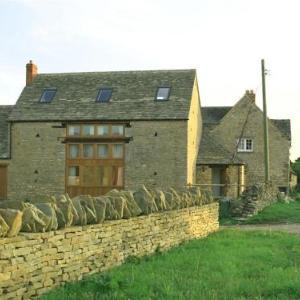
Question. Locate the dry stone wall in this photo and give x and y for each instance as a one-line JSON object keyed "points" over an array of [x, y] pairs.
{"points": [[254, 199], [33, 263]]}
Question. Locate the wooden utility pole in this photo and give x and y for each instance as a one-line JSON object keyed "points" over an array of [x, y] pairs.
{"points": [[265, 121]]}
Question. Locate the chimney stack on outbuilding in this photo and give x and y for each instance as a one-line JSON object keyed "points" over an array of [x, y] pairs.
{"points": [[31, 72], [250, 94]]}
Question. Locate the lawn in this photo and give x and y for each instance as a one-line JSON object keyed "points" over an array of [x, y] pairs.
{"points": [[229, 265], [277, 213]]}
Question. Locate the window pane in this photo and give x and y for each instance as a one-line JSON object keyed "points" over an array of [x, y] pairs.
{"points": [[102, 130], [104, 175], [73, 178], [117, 130], [74, 130], [88, 151], [104, 95], [117, 176], [163, 93], [241, 144], [117, 150], [48, 95], [249, 144], [88, 130], [74, 151], [103, 151]]}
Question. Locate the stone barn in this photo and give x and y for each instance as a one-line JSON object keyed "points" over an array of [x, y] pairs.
{"points": [[88, 133]]}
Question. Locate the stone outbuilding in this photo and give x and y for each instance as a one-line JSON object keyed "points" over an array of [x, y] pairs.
{"points": [[88, 133], [231, 154]]}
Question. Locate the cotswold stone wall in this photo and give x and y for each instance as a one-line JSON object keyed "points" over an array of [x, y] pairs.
{"points": [[254, 199], [33, 263], [156, 157], [37, 166]]}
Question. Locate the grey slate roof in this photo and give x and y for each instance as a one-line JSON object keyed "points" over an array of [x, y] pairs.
{"points": [[5, 110], [132, 99], [284, 126], [211, 152], [214, 114]]}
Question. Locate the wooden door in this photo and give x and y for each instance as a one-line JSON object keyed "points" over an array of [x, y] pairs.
{"points": [[3, 182]]}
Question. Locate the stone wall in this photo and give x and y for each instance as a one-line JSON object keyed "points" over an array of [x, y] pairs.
{"points": [[204, 176], [157, 157], [31, 264], [37, 165], [233, 179], [254, 199]]}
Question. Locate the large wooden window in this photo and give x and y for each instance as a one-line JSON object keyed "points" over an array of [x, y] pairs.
{"points": [[95, 158]]}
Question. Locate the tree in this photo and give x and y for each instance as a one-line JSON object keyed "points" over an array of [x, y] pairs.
{"points": [[296, 167]]}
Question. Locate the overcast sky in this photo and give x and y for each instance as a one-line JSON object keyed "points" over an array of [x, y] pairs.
{"points": [[223, 39]]}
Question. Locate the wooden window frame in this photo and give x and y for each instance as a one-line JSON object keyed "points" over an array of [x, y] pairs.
{"points": [[94, 162], [95, 135]]}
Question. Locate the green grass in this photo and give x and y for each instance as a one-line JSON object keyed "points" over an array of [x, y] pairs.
{"points": [[229, 265], [277, 213]]}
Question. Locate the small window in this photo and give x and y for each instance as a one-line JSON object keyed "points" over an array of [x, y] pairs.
{"points": [[102, 151], [245, 145], [162, 93], [73, 130], [102, 130], [88, 150], [88, 130], [73, 178], [48, 95], [74, 151], [117, 130], [117, 151], [104, 95]]}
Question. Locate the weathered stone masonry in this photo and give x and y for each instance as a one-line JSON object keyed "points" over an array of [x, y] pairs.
{"points": [[31, 264], [38, 160]]}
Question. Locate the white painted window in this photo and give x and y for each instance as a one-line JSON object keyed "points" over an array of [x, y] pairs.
{"points": [[245, 145]]}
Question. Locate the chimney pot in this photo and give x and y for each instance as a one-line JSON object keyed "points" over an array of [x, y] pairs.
{"points": [[31, 72], [250, 94]]}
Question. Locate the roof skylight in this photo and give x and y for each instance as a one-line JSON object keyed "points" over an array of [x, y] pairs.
{"points": [[104, 95], [162, 94], [48, 95]]}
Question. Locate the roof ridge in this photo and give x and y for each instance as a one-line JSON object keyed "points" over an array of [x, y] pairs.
{"points": [[225, 106], [118, 72]]}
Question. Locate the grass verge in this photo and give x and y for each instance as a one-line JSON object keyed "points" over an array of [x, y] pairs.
{"points": [[277, 213], [230, 264]]}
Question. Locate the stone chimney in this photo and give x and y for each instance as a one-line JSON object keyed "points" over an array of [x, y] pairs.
{"points": [[250, 94], [31, 72]]}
